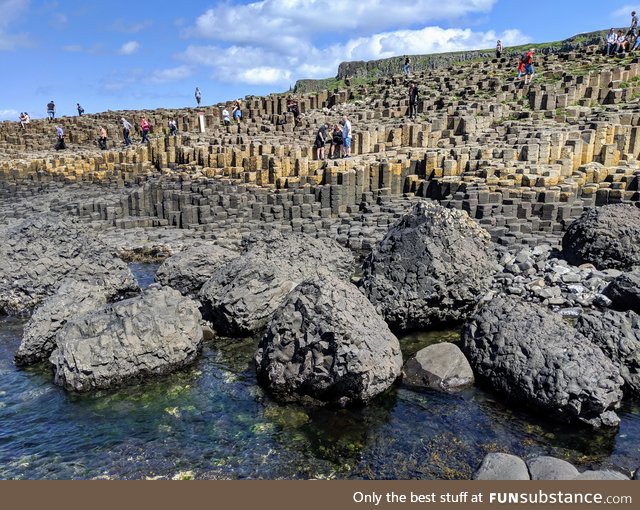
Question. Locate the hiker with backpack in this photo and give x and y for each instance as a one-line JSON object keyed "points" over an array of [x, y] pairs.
{"points": [[529, 71]]}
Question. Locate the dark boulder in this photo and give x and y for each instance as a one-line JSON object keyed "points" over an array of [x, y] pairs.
{"points": [[530, 355], [624, 292], [327, 343]]}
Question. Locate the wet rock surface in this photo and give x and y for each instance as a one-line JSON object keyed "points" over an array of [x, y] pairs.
{"points": [[153, 334], [440, 367], [531, 356], [431, 268], [327, 343]]}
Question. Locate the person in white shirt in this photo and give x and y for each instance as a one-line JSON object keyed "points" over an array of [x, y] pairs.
{"points": [[611, 42], [346, 136]]}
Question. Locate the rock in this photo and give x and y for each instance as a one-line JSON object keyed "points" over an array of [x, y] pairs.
{"points": [[530, 355], [607, 236], [39, 254], [440, 367], [502, 466], [432, 267], [73, 298], [624, 292], [153, 334], [550, 468], [618, 335], [601, 475], [190, 269], [327, 343], [241, 296], [636, 475]]}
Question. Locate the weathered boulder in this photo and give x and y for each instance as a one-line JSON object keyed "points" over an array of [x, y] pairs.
{"points": [[440, 367], [39, 254], [502, 466], [601, 475], [327, 343], [241, 296], [607, 237], [149, 335], [190, 269], [618, 335], [530, 355], [551, 468], [72, 299], [432, 267], [624, 292]]}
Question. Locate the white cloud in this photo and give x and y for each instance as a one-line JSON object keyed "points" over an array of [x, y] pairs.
{"points": [[123, 26], [268, 66], [12, 10], [129, 48], [171, 74], [9, 115]]}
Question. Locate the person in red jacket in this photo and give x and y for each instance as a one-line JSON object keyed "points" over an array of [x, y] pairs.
{"points": [[145, 127]]}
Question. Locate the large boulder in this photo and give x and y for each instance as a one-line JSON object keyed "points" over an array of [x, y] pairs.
{"points": [[530, 355], [149, 335], [440, 367], [502, 466], [432, 267], [327, 343], [241, 296], [39, 254], [607, 237], [618, 335], [624, 292], [551, 468], [72, 299], [190, 269]]}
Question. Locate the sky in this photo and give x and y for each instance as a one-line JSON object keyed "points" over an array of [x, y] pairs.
{"points": [[143, 54]]}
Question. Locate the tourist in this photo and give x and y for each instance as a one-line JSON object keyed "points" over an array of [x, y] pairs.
{"points": [[633, 31], [321, 139], [413, 100], [60, 139], [336, 142], [126, 130], [51, 111], [80, 109], [237, 111], [499, 49], [611, 43], [145, 127], [529, 71], [198, 96], [24, 120], [406, 68], [292, 106], [621, 43], [520, 68], [226, 117], [173, 127], [102, 139], [346, 137]]}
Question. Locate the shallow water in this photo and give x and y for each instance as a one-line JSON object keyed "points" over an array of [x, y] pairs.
{"points": [[213, 421]]}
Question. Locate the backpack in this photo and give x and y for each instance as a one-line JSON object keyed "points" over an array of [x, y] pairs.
{"points": [[526, 58]]}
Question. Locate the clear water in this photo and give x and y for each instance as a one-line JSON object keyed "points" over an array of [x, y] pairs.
{"points": [[213, 421]]}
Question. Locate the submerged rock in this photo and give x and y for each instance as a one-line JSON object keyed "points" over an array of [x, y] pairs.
{"points": [[190, 269], [153, 334], [531, 356], [327, 343], [241, 296], [607, 237], [39, 254], [440, 367], [618, 335], [432, 267], [502, 466]]}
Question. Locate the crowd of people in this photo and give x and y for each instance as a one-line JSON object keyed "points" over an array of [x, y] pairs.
{"points": [[338, 140], [623, 42]]}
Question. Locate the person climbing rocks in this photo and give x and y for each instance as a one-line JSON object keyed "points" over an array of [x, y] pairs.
{"points": [[198, 96], [226, 117], [237, 111], [80, 109], [346, 137], [321, 139], [520, 67], [529, 71], [173, 127], [51, 110], [413, 100], [406, 68], [499, 49], [145, 127], [126, 130], [60, 139], [102, 138]]}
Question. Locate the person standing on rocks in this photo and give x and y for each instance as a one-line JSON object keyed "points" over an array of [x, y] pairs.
{"points": [[499, 49], [347, 136], [336, 142], [51, 110], [145, 127], [102, 139], [321, 138], [173, 127], [529, 71], [80, 109], [198, 96], [633, 30], [413, 100], [226, 117], [126, 130], [237, 112], [60, 139], [406, 68]]}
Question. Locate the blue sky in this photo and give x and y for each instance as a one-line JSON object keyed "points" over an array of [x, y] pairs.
{"points": [[150, 54]]}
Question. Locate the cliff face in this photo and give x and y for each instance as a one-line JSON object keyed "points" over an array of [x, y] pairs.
{"points": [[393, 65]]}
